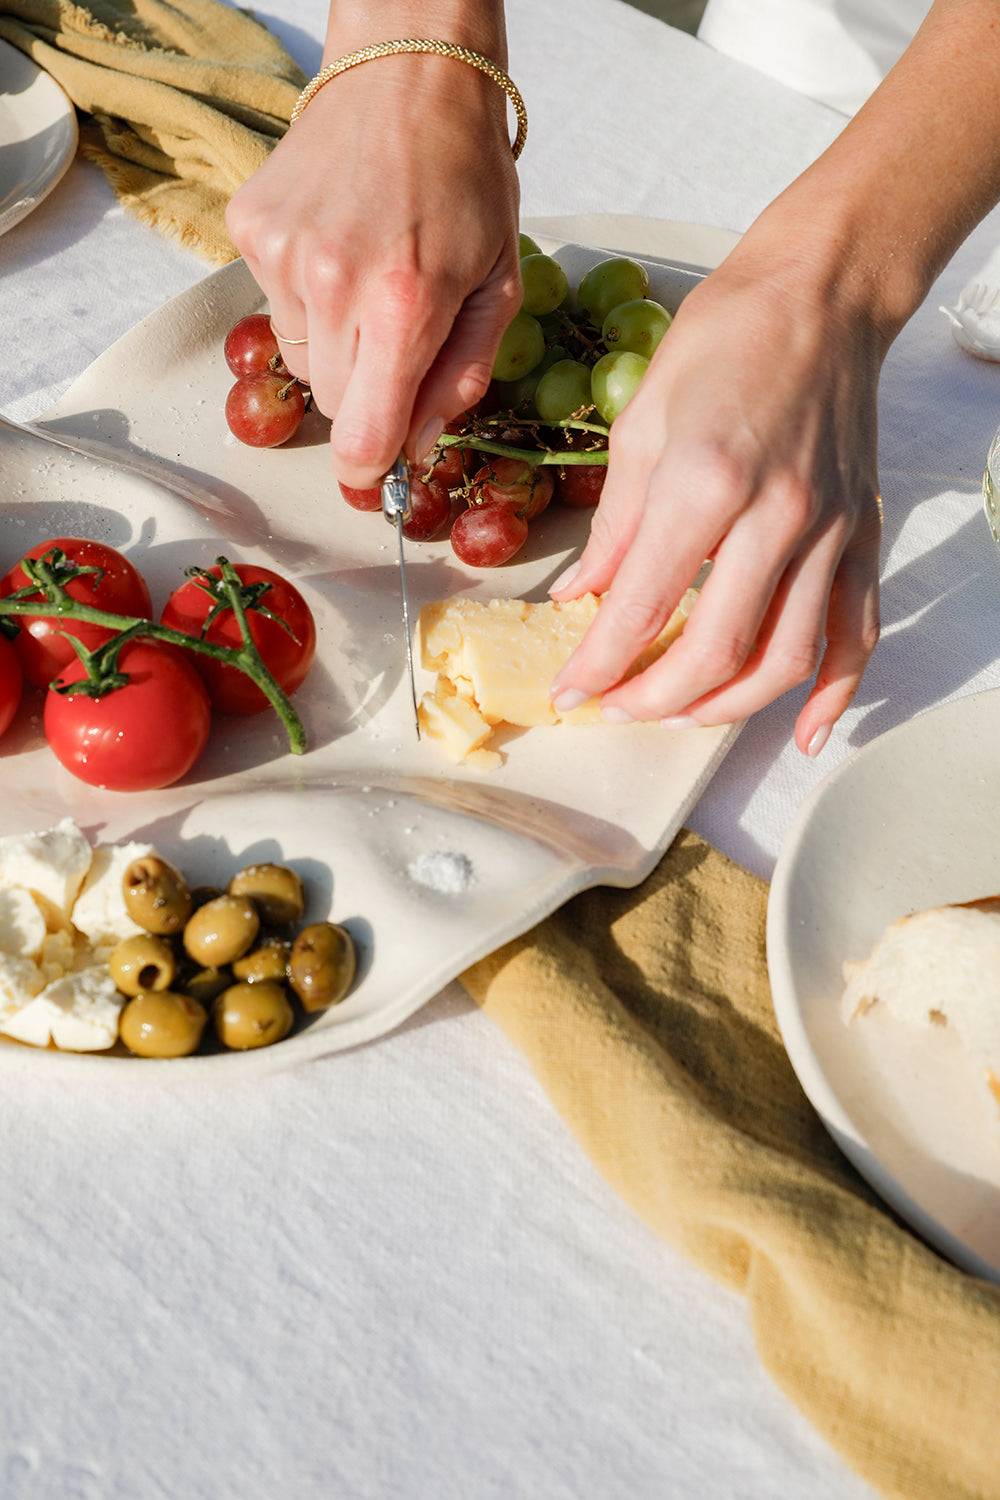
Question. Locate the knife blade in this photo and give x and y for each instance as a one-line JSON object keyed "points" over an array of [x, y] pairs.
{"points": [[397, 507]]}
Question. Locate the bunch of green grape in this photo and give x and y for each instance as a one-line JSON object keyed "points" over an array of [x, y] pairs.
{"points": [[566, 368], [564, 357]]}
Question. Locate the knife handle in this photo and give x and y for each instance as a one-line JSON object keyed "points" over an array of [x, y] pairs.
{"points": [[396, 501]]}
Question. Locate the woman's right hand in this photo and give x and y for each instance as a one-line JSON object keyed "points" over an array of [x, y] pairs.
{"points": [[383, 230]]}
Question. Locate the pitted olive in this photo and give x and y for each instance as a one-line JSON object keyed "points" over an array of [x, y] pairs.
{"points": [[142, 962], [269, 960], [221, 931], [275, 890], [161, 1023], [322, 965], [204, 984], [252, 1015], [156, 895]]}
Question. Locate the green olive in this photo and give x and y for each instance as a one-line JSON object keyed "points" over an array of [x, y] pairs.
{"points": [[252, 1015], [269, 960], [202, 893], [275, 890], [204, 984], [221, 930], [160, 1023], [322, 965], [142, 962], [156, 895]]}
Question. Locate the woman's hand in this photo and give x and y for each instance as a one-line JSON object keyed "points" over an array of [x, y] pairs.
{"points": [[383, 229], [751, 441]]}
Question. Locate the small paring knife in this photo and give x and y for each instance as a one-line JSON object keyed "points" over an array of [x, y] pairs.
{"points": [[397, 507]]}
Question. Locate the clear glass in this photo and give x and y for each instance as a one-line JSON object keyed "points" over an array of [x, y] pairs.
{"points": [[991, 488]]}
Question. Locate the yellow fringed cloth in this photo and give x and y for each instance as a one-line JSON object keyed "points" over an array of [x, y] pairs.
{"points": [[180, 102], [647, 1017]]}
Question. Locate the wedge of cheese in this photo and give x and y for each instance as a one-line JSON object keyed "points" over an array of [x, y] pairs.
{"points": [[495, 663]]}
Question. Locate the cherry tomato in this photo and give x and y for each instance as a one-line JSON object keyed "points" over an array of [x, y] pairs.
{"points": [[10, 683], [145, 735], [286, 649], [42, 643]]}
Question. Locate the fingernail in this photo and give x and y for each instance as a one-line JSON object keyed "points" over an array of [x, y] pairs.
{"points": [[819, 739], [679, 721], [568, 699], [425, 442], [565, 578], [615, 715]]}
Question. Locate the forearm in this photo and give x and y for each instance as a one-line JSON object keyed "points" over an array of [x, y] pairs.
{"points": [[436, 83], [876, 218]]}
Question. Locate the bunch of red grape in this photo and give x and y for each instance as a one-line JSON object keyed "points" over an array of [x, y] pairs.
{"points": [[566, 367]]}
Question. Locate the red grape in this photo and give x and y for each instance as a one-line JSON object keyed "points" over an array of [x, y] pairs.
{"points": [[265, 410], [251, 346], [448, 468], [431, 502], [362, 499], [511, 481], [580, 485], [486, 535]]}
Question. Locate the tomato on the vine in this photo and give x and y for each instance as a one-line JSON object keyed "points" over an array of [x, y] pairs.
{"points": [[42, 643], [11, 683], [135, 738], [287, 642]]}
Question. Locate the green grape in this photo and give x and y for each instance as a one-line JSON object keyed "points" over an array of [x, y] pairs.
{"points": [[521, 348], [563, 390], [637, 326], [516, 393], [609, 283], [527, 246], [614, 380], [545, 284]]}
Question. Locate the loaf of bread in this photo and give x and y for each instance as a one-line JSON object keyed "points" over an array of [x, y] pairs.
{"points": [[939, 967]]}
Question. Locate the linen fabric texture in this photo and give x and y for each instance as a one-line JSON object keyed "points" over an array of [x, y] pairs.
{"points": [[647, 1017], [180, 102]]}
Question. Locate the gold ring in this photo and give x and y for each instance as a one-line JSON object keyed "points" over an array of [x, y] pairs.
{"points": [[282, 338]]}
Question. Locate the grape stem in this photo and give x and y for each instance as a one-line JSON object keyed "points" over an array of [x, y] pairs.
{"points": [[543, 455], [48, 574]]}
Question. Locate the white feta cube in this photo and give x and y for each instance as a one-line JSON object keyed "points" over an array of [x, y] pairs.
{"points": [[78, 1013], [23, 928], [52, 863], [20, 982], [99, 912]]}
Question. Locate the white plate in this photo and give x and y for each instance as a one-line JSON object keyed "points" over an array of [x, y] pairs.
{"points": [[910, 821], [38, 135], [571, 807]]}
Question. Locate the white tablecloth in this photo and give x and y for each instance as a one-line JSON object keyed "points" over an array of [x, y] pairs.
{"points": [[392, 1273]]}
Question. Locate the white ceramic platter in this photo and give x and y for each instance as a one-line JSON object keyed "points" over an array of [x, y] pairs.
{"points": [[910, 821], [38, 135], [570, 808]]}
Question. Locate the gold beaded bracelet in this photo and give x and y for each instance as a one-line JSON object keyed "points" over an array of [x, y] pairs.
{"points": [[441, 49]]}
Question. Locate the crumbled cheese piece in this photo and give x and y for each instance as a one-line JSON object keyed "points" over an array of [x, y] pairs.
{"points": [[442, 871], [52, 863], [59, 954], [23, 929], [496, 663], [20, 980], [99, 912], [78, 1013]]}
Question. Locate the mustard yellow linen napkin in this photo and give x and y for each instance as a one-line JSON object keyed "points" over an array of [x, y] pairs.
{"points": [[647, 1017], [182, 101]]}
